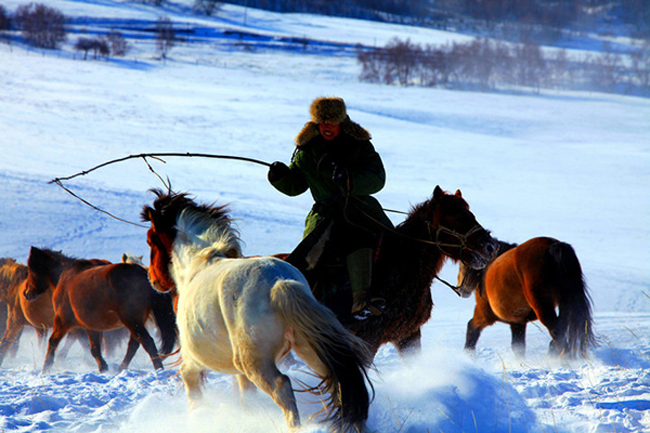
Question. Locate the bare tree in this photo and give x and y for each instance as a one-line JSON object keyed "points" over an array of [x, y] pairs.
{"points": [[373, 64], [607, 69], [401, 60], [118, 45], [5, 22], [166, 36], [208, 7], [85, 45], [41, 25], [98, 45], [641, 66]]}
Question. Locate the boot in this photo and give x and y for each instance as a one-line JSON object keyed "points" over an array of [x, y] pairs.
{"points": [[359, 265]]}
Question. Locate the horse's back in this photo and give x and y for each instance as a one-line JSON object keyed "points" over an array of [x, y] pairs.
{"points": [[101, 293], [227, 306]]}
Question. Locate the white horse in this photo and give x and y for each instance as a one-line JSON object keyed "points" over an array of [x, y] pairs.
{"points": [[241, 315]]}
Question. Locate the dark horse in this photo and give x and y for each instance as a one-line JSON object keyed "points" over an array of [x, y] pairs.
{"points": [[526, 283], [97, 296], [408, 259]]}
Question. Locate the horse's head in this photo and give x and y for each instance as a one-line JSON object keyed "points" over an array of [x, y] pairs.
{"points": [[471, 279], [44, 271], [468, 280], [454, 229], [160, 238], [163, 216]]}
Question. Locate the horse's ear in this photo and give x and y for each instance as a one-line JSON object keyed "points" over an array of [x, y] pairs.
{"points": [[459, 194], [438, 193], [147, 214], [124, 258]]}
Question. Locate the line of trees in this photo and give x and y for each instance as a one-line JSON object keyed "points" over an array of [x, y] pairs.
{"points": [[44, 27], [521, 18], [483, 64]]}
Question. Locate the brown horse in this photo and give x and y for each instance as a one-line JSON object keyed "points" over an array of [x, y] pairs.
{"points": [[526, 283], [19, 311], [98, 297]]}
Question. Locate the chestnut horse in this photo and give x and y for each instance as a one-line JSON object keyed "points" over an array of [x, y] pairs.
{"points": [[526, 283], [241, 315], [97, 297], [408, 259], [19, 311]]}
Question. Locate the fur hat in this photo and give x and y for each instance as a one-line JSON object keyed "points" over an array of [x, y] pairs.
{"points": [[328, 110]]}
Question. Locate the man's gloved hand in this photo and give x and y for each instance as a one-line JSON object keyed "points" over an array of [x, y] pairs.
{"points": [[277, 171], [341, 177]]}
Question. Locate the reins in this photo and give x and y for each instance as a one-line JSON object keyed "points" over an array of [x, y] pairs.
{"points": [[157, 156]]}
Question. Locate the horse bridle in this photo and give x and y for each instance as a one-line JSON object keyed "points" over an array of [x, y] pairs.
{"points": [[462, 238]]}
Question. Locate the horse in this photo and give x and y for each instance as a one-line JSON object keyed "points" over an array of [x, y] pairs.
{"points": [[99, 296], [526, 283], [20, 312], [241, 315], [407, 260]]}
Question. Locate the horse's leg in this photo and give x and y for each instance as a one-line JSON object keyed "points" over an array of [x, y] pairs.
{"points": [[518, 331], [410, 345], [131, 349], [76, 334], [10, 337], [41, 336], [141, 335], [60, 330], [95, 339], [472, 335], [245, 387], [265, 374], [13, 350], [542, 304], [191, 375]]}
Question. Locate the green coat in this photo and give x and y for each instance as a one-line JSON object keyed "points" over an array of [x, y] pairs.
{"points": [[312, 168]]}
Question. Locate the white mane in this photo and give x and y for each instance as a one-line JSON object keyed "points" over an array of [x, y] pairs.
{"points": [[200, 239]]}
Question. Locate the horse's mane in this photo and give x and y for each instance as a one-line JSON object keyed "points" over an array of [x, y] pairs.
{"points": [[11, 272], [204, 226], [66, 261], [425, 210], [167, 207]]}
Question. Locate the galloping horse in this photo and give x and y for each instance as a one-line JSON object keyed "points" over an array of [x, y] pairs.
{"points": [[99, 296], [526, 283], [240, 315], [20, 312], [409, 258]]}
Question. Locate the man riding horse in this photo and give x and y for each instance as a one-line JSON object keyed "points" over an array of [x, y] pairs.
{"points": [[336, 161]]}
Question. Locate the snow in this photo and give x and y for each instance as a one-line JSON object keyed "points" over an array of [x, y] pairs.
{"points": [[571, 165]]}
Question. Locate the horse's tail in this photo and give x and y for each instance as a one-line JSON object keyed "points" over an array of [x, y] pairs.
{"points": [[341, 358], [574, 302], [163, 314]]}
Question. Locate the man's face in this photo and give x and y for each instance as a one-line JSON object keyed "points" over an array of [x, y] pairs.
{"points": [[329, 131]]}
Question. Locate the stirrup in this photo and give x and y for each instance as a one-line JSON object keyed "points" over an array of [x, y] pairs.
{"points": [[374, 307]]}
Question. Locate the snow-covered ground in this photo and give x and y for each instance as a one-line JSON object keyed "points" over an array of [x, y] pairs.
{"points": [[571, 165]]}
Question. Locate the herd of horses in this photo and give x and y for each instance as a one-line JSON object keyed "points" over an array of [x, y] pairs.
{"points": [[240, 315]]}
